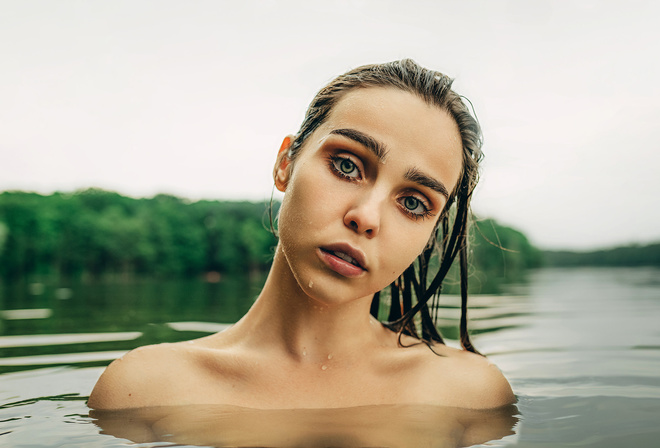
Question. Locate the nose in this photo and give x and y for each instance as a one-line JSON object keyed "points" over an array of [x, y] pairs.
{"points": [[363, 217]]}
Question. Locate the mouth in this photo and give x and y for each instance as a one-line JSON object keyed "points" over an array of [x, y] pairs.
{"points": [[343, 259]]}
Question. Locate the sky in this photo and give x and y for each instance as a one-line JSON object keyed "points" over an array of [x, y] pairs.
{"points": [[193, 98]]}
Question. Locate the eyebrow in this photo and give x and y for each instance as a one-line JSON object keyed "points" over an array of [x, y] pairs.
{"points": [[380, 151], [373, 145], [415, 175]]}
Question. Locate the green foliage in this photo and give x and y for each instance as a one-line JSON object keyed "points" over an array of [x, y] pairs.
{"points": [[96, 232], [4, 230], [633, 255], [497, 248]]}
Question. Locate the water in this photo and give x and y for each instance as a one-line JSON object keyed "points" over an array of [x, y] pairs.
{"points": [[580, 347]]}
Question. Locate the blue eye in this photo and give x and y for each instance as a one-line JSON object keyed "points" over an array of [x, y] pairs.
{"points": [[345, 167], [415, 207], [411, 203]]}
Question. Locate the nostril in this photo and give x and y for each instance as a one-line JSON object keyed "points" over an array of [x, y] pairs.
{"points": [[354, 225]]}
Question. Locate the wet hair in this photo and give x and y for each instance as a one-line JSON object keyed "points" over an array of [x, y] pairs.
{"points": [[415, 292]]}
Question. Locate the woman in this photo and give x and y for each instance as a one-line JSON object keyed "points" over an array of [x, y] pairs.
{"points": [[369, 181]]}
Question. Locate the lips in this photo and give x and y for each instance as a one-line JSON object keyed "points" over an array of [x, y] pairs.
{"points": [[344, 259]]}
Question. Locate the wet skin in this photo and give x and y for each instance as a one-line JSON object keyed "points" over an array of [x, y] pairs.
{"points": [[361, 200]]}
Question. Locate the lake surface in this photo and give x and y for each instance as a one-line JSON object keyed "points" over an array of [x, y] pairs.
{"points": [[581, 348]]}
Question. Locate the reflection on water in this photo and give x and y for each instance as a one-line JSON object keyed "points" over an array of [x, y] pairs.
{"points": [[395, 425], [580, 347], [109, 318], [488, 313], [34, 313], [64, 339]]}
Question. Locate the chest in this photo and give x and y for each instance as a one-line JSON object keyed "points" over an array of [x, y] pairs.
{"points": [[326, 384]]}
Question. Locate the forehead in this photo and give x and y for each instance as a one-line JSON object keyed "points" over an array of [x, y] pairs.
{"points": [[413, 131]]}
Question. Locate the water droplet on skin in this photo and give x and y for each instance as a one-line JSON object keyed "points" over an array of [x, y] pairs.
{"points": [[324, 367], [311, 283], [330, 356], [304, 353]]}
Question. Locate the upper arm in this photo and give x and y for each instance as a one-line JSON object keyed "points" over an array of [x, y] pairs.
{"points": [[129, 381], [484, 384], [463, 379]]}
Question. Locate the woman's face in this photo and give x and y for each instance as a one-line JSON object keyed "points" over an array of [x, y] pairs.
{"points": [[365, 192]]}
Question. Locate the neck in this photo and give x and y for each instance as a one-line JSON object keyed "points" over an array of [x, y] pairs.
{"points": [[286, 319]]}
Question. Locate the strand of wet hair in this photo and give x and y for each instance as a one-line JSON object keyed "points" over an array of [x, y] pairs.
{"points": [[402, 322], [435, 301], [429, 329], [375, 305], [465, 336]]}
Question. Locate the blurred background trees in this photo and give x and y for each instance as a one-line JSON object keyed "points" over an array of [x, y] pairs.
{"points": [[95, 232]]}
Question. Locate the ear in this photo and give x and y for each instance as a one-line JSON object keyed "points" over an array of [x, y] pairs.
{"points": [[282, 170]]}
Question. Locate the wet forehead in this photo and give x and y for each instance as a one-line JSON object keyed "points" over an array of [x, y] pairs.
{"points": [[406, 126]]}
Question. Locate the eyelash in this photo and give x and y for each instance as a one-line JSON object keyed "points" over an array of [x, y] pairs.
{"points": [[335, 161], [425, 214]]}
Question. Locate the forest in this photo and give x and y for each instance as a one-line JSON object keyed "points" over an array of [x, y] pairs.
{"points": [[93, 232], [633, 255]]}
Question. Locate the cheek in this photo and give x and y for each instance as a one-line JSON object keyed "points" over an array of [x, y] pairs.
{"points": [[400, 254], [307, 205], [413, 248], [316, 195]]}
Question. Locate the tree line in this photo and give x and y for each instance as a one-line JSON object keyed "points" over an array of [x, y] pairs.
{"points": [[631, 256], [96, 232]]}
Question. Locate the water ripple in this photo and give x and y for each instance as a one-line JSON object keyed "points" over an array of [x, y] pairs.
{"points": [[64, 339]]}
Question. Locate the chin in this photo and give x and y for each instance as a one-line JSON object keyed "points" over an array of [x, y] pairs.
{"points": [[330, 294]]}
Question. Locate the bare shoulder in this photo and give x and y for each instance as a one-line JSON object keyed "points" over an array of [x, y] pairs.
{"points": [[464, 379], [137, 379]]}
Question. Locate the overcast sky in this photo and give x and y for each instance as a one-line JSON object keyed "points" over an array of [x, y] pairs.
{"points": [[193, 98]]}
